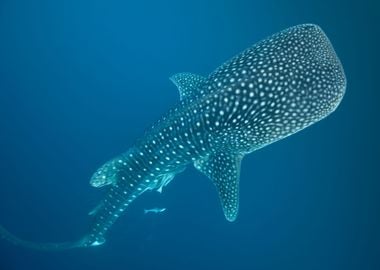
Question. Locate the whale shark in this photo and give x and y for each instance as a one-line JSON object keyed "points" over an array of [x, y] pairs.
{"points": [[275, 88]]}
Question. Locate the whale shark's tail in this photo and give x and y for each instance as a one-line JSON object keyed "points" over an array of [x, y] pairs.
{"points": [[5, 234], [123, 189]]}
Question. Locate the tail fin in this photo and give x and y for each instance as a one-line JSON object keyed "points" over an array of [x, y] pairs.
{"points": [[38, 246]]}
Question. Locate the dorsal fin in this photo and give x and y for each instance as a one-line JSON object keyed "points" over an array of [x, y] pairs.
{"points": [[188, 84], [224, 171]]}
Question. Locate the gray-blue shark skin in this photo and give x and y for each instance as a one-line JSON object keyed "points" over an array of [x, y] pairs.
{"points": [[274, 89]]}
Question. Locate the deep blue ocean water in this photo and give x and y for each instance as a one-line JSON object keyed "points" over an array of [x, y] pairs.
{"points": [[80, 81]]}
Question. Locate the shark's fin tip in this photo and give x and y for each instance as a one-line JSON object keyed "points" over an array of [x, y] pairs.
{"points": [[188, 84], [224, 171]]}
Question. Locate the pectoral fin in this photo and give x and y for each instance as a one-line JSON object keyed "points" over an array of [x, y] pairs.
{"points": [[224, 170]]}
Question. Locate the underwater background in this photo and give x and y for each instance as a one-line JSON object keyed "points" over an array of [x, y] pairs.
{"points": [[80, 81]]}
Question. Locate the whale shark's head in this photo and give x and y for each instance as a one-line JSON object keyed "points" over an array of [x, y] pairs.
{"points": [[317, 80], [289, 81]]}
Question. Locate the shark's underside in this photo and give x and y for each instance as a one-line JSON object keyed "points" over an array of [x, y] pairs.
{"points": [[272, 90]]}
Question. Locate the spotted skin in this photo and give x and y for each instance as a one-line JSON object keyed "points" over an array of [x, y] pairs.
{"points": [[268, 92], [274, 89]]}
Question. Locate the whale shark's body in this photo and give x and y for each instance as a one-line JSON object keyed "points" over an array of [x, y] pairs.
{"points": [[272, 90]]}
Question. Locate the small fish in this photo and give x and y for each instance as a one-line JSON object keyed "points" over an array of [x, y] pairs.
{"points": [[155, 210]]}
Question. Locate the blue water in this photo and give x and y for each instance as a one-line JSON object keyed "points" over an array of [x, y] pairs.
{"points": [[80, 81]]}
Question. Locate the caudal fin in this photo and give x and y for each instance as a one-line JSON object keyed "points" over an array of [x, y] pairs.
{"points": [[6, 235]]}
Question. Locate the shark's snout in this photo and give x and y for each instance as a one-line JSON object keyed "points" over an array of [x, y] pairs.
{"points": [[327, 77]]}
